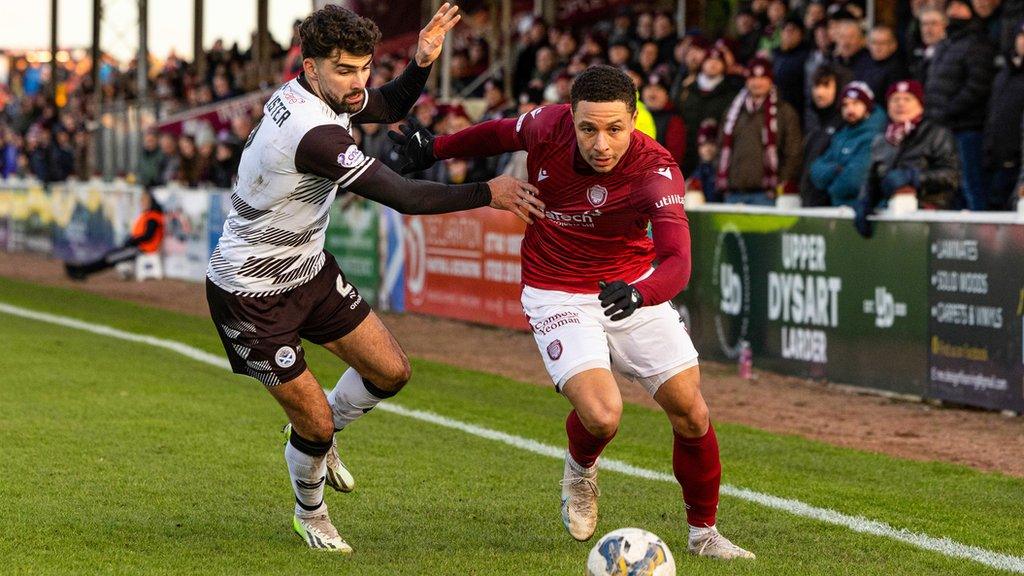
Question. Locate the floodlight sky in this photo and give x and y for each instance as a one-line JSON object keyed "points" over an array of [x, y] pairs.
{"points": [[26, 25]]}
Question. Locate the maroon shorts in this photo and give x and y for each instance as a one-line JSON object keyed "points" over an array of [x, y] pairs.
{"points": [[261, 335]]}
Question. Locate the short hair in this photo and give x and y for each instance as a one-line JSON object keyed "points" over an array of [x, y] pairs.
{"points": [[930, 10], [823, 73], [333, 27], [603, 83]]}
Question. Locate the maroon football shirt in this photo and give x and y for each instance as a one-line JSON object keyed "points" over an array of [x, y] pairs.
{"points": [[596, 224]]}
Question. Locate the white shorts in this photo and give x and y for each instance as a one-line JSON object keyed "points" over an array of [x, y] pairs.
{"points": [[574, 335]]}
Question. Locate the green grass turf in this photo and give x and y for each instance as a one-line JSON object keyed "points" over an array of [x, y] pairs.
{"points": [[122, 458]]}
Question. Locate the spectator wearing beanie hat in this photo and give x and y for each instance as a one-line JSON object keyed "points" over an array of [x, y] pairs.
{"points": [[703, 176], [957, 90], [708, 98], [760, 142], [913, 155], [1003, 130], [670, 131], [842, 169]]}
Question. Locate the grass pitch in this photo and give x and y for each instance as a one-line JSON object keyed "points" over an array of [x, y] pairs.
{"points": [[123, 458]]}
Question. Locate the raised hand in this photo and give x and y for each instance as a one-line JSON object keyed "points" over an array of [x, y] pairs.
{"points": [[432, 36], [516, 196]]}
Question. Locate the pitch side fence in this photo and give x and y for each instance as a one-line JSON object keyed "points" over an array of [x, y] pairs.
{"points": [[930, 307]]}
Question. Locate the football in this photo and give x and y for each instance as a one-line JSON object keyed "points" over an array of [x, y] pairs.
{"points": [[629, 552]]}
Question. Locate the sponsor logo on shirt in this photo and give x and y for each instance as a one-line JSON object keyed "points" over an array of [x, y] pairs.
{"points": [[597, 195], [670, 199], [579, 220], [351, 157]]}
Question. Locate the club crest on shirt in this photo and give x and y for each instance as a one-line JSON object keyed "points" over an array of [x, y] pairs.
{"points": [[597, 195], [352, 156], [555, 350]]}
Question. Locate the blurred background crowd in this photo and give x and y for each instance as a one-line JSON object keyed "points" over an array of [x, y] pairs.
{"points": [[797, 97]]}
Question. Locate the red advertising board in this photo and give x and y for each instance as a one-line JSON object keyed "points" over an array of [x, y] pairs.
{"points": [[465, 266]]}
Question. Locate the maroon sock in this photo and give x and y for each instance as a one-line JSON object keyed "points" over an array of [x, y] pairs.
{"points": [[584, 447], [699, 471]]}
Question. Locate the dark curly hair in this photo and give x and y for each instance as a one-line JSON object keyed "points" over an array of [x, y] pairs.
{"points": [[333, 27], [603, 83]]}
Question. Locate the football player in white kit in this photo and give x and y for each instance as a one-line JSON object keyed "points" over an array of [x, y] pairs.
{"points": [[270, 282]]}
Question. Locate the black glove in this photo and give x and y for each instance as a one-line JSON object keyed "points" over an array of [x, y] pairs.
{"points": [[860, 221], [415, 146], [619, 299]]}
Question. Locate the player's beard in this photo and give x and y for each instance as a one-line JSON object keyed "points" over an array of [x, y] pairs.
{"points": [[338, 104]]}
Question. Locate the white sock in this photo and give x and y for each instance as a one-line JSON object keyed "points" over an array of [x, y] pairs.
{"points": [[307, 473], [352, 397], [698, 532]]}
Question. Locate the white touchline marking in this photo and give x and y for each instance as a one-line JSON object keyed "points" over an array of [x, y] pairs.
{"points": [[860, 524]]}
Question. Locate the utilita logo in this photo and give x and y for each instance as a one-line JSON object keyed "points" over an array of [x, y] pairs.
{"points": [[668, 200]]}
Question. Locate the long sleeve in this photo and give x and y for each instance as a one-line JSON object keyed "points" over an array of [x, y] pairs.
{"points": [[393, 101], [420, 196], [146, 236], [825, 169], [790, 144], [485, 139], [943, 172], [661, 199]]}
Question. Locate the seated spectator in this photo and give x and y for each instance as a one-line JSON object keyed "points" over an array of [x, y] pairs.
{"points": [[1003, 128], [957, 90], [842, 169], [821, 120], [670, 131], [885, 66], [914, 155], [707, 98], [760, 142], [789, 60]]}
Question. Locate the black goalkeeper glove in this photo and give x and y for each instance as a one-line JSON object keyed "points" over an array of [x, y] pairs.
{"points": [[619, 299], [415, 146]]}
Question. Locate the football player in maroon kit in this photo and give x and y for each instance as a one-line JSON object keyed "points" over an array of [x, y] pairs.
{"points": [[590, 291]]}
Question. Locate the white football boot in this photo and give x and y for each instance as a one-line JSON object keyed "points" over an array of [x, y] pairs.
{"points": [[579, 499], [318, 532], [711, 544], [338, 476]]}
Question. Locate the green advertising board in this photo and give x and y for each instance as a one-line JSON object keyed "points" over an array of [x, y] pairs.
{"points": [[811, 297], [353, 236]]}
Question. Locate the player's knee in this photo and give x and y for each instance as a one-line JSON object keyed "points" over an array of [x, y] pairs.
{"points": [[694, 422], [322, 430], [397, 375], [604, 422]]}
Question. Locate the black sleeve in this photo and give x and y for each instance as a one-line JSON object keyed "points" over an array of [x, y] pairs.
{"points": [[328, 151], [393, 101], [420, 196], [147, 234]]}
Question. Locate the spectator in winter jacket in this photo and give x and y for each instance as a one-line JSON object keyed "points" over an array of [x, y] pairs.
{"points": [[821, 120], [886, 66], [706, 99], [914, 155], [1003, 128], [670, 131], [821, 54], [748, 36], [788, 62], [933, 23], [850, 48], [957, 91], [842, 169], [760, 142], [151, 162], [1012, 16], [703, 177]]}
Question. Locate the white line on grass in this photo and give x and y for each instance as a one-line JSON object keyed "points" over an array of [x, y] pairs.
{"points": [[943, 546]]}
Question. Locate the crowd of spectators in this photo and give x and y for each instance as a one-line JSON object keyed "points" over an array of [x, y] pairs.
{"points": [[800, 97]]}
